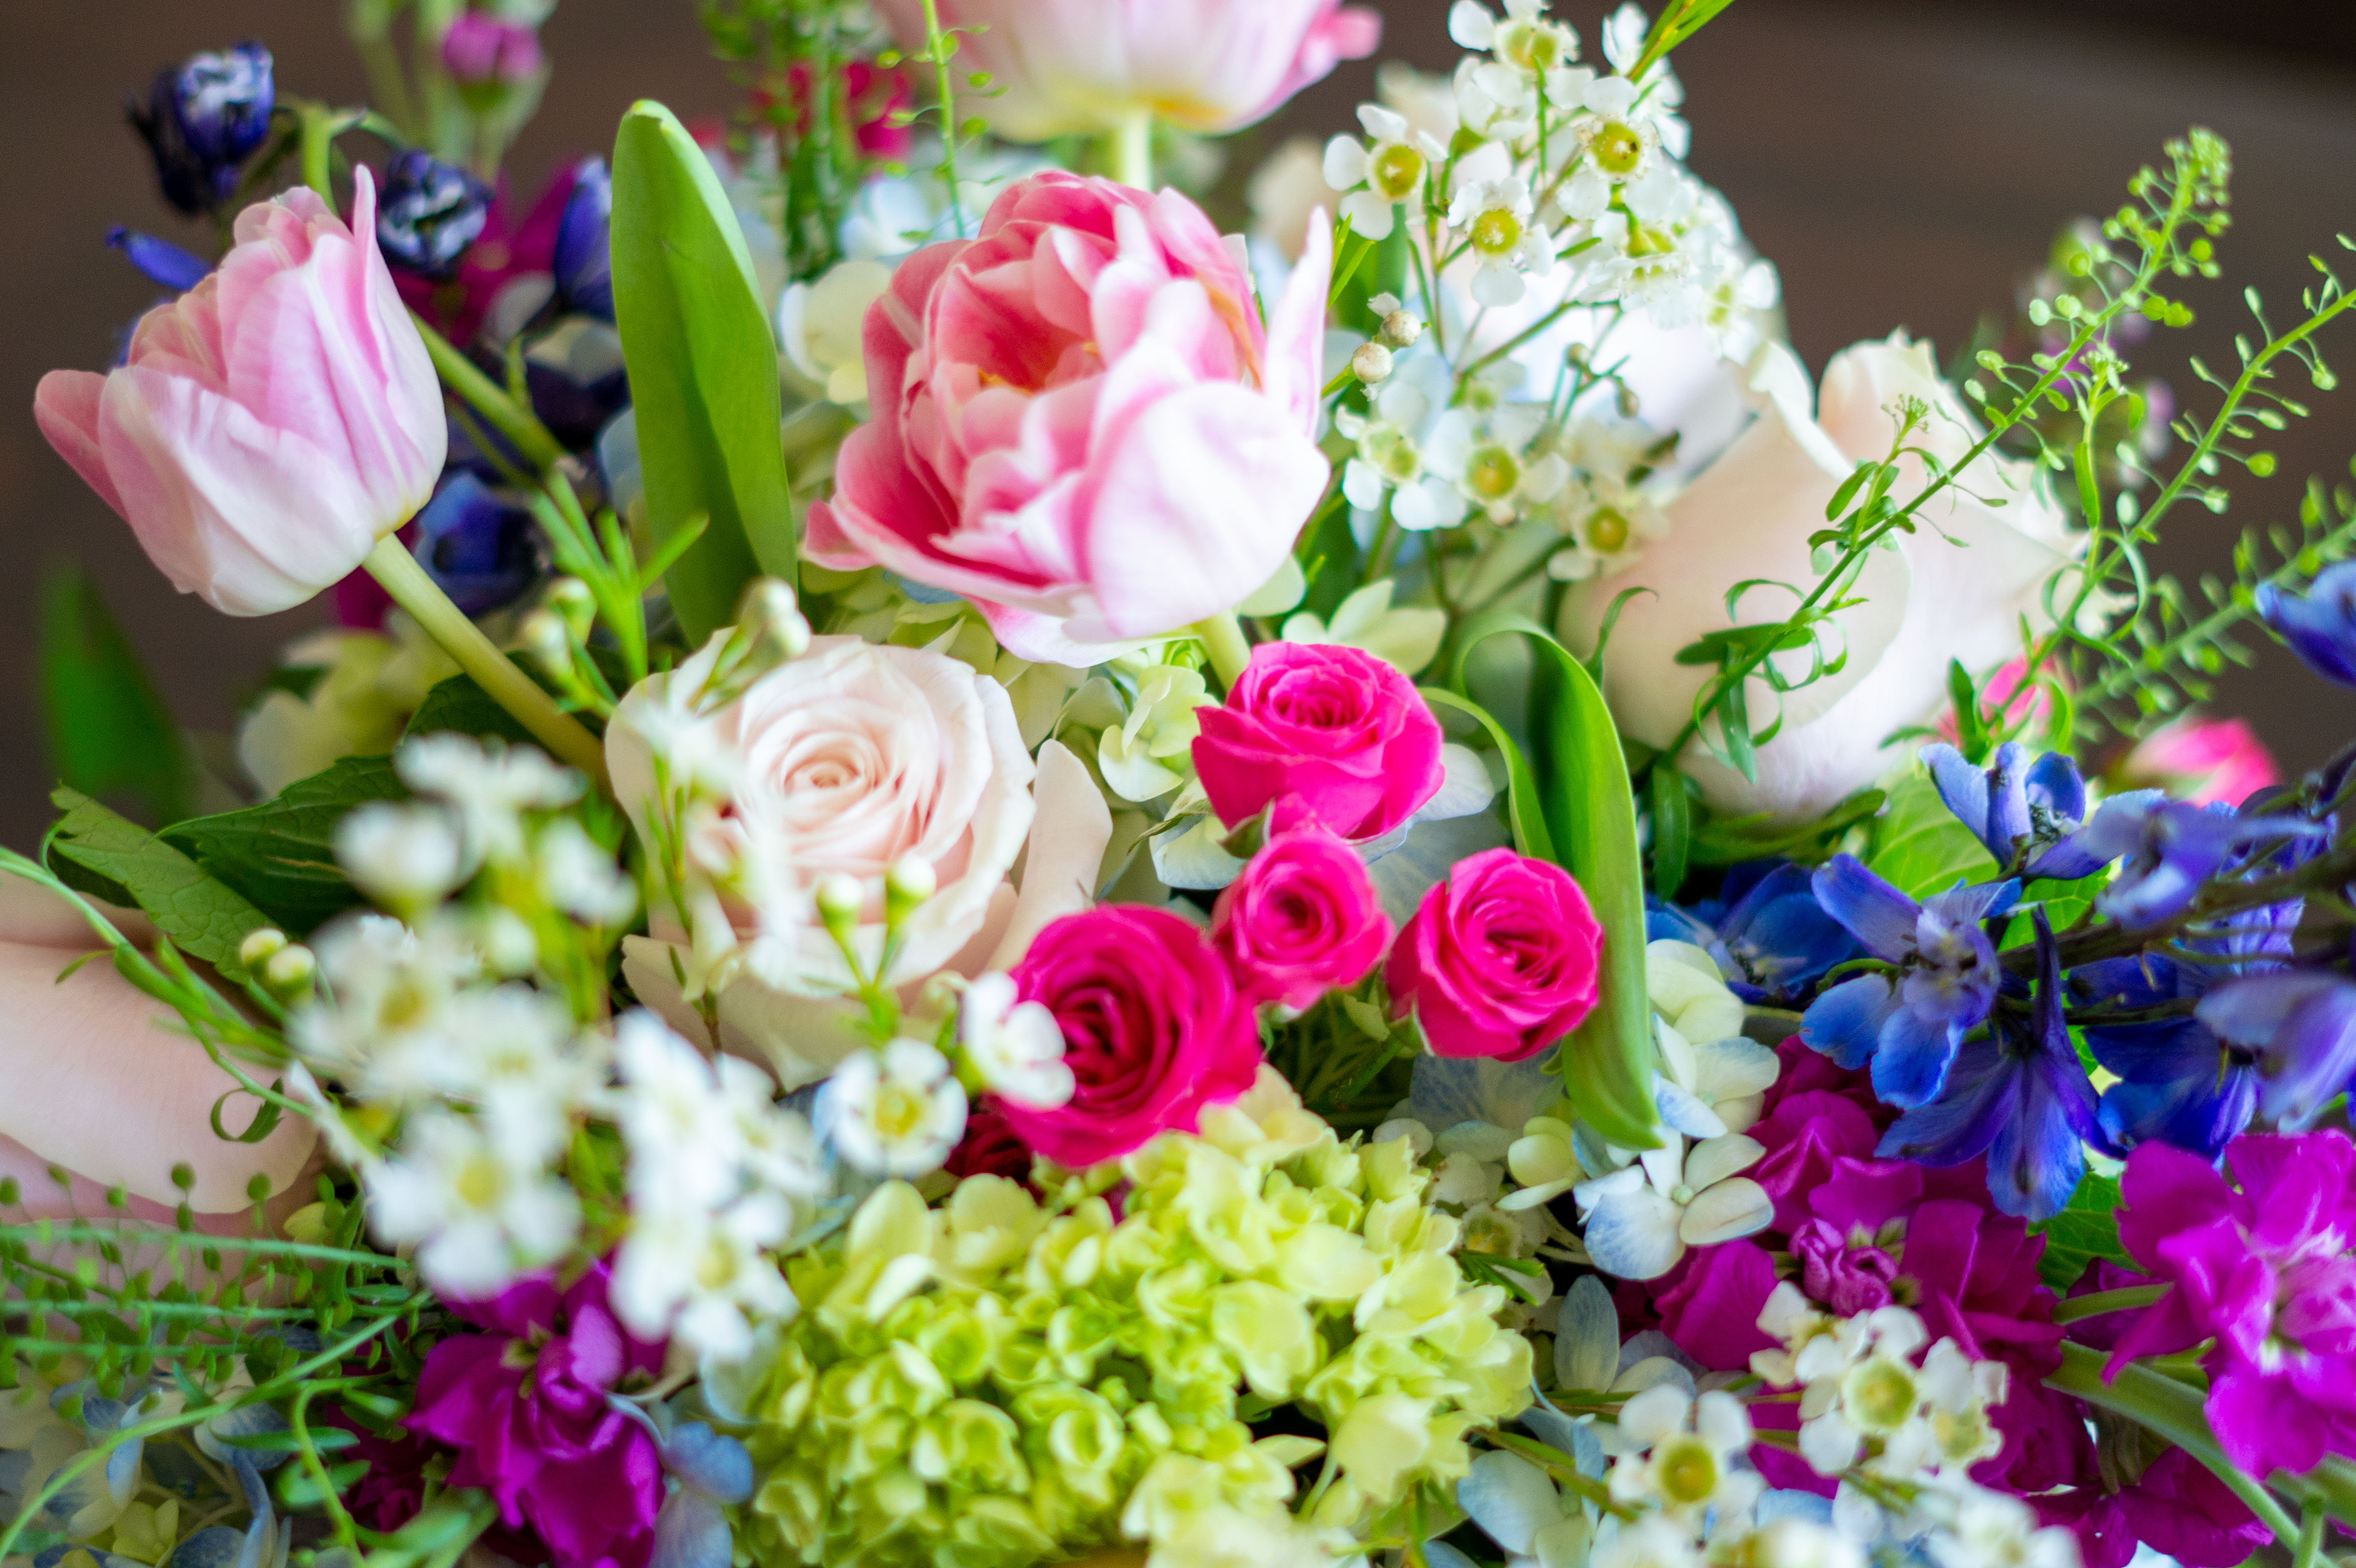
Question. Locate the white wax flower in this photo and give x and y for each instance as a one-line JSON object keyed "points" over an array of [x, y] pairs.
{"points": [[898, 1111], [1017, 1046], [482, 1214]]}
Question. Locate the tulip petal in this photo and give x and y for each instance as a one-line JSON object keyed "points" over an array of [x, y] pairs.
{"points": [[66, 405]]}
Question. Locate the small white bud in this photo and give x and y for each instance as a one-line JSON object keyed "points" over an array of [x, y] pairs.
{"points": [[839, 897], [260, 945], [1401, 330], [1371, 364], [768, 611], [570, 598], [542, 638], [289, 969], [911, 879]]}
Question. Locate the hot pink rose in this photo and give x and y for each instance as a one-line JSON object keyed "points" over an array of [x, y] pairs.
{"points": [[1341, 729], [1499, 961], [1081, 67], [1302, 919], [270, 425], [1080, 423], [1154, 1030]]}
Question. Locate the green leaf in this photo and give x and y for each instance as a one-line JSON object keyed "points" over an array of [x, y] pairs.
{"points": [[460, 704], [204, 917], [704, 370], [1919, 846], [1522, 811], [1672, 829], [281, 854], [1589, 811], [109, 732], [2084, 1230]]}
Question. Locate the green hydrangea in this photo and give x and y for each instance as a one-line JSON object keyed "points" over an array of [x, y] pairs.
{"points": [[995, 1382]]}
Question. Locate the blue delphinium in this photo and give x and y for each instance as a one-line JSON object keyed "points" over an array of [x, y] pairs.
{"points": [[2171, 849], [2319, 625], [584, 268], [2018, 1096], [2301, 1024], [1770, 937], [1908, 1025], [2020, 809], [428, 214], [203, 120], [160, 260]]}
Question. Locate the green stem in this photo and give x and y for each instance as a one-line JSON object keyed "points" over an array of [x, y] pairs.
{"points": [[939, 46], [318, 140], [392, 566], [2172, 1410], [508, 418], [1132, 149], [2310, 1536], [2101, 1301], [1222, 640]]}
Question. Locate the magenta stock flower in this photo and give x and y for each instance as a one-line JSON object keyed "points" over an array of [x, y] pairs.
{"points": [[526, 1405], [1154, 1030], [1081, 422], [1338, 729], [270, 425], [1064, 67], [1302, 919], [1499, 961], [2261, 1266]]}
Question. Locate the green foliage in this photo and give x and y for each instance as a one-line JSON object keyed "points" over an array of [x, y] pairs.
{"points": [[1523, 813], [1920, 848], [1729, 841], [766, 42], [1584, 798], [703, 370], [2086, 1230], [109, 732], [460, 704], [281, 854], [202, 915]]}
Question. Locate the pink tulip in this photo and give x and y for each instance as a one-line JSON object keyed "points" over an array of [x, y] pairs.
{"points": [[1080, 67], [1080, 422], [489, 51], [2201, 760], [271, 423]]}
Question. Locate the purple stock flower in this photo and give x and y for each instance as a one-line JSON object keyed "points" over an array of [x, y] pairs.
{"points": [[2020, 809], [1772, 943], [2020, 1098], [203, 120], [2319, 626], [1910, 1024], [2172, 849], [2262, 1271], [528, 1405]]}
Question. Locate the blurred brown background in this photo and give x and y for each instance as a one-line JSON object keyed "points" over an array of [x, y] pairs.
{"points": [[1902, 161]]}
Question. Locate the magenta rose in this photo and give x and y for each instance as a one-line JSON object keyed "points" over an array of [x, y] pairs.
{"points": [[1154, 1030], [1499, 961], [1081, 422], [1302, 919], [1341, 729]]}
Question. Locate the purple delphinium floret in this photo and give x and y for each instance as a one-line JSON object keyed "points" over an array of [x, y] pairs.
{"points": [[2319, 625], [1773, 941]]}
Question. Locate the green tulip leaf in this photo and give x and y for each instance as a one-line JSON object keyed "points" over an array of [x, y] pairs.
{"points": [[1522, 811], [703, 370], [109, 732], [1589, 811]]}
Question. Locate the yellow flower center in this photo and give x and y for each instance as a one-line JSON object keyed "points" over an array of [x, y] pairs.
{"points": [[1496, 231], [1617, 148], [1533, 46], [1687, 1470], [479, 1182], [898, 1112], [1607, 530], [1879, 1394], [1397, 170], [1490, 473]]}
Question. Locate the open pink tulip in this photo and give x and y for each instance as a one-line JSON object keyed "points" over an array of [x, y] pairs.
{"points": [[1081, 67], [1080, 422], [271, 423]]}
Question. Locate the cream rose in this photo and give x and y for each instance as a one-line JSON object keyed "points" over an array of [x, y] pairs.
{"points": [[1957, 588], [850, 760]]}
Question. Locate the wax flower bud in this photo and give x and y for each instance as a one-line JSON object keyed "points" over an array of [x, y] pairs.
{"points": [[542, 638], [838, 899], [288, 971], [570, 598], [1371, 364], [260, 945], [908, 883]]}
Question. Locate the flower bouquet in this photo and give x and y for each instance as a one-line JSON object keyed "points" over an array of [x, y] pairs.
{"points": [[984, 877]]}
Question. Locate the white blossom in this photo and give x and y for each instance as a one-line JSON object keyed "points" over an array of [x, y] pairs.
{"points": [[1386, 171], [1016, 1046], [1492, 458], [1643, 1217], [484, 1211], [380, 1020], [703, 1277], [898, 1111], [489, 787], [1685, 1456], [405, 855], [581, 877], [1496, 218]]}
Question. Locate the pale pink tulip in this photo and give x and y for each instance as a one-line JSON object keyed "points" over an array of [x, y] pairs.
{"points": [[1081, 67], [1080, 422], [100, 1089], [270, 425]]}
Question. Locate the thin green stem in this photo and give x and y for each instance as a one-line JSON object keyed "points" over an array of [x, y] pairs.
{"points": [[941, 47], [318, 142], [2310, 1535], [1132, 149], [392, 566], [2101, 1301], [1222, 640], [2172, 1410], [462, 377]]}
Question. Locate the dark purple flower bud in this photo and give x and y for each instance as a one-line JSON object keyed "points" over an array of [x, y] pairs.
{"points": [[2320, 625], [483, 549], [160, 260], [428, 213], [584, 268], [202, 122]]}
